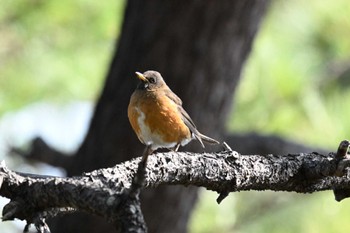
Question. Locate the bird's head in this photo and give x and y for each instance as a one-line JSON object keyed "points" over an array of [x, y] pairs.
{"points": [[150, 80]]}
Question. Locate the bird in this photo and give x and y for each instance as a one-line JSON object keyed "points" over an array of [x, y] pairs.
{"points": [[156, 115]]}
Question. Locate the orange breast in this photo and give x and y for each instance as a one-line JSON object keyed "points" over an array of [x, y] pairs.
{"points": [[159, 114], [134, 115]]}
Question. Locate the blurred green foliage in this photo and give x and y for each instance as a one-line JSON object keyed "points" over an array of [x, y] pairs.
{"points": [[295, 79], [55, 50], [296, 84]]}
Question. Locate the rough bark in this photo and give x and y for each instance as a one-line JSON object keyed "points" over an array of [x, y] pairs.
{"points": [[106, 192]]}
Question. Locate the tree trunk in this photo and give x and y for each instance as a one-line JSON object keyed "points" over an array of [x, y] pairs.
{"points": [[199, 47]]}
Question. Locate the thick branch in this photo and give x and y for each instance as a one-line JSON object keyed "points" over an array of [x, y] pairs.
{"points": [[222, 172], [101, 192], [39, 196]]}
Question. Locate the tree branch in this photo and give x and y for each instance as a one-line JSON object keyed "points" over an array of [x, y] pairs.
{"points": [[37, 197], [101, 192], [42, 152]]}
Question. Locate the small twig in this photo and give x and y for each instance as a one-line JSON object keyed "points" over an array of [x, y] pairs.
{"points": [[341, 194], [130, 201], [221, 197], [235, 156], [342, 163], [341, 157], [342, 149], [140, 177], [11, 210], [39, 223], [41, 226]]}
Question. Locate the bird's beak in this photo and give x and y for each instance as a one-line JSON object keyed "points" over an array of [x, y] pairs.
{"points": [[140, 76]]}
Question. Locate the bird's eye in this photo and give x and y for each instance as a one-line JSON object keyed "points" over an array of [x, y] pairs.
{"points": [[151, 80]]}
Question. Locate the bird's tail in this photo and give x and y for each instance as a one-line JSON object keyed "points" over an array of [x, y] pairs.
{"points": [[201, 137]]}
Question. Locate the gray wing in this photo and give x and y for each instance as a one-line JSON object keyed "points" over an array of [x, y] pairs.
{"points": [[185, 117], [199, 136]]}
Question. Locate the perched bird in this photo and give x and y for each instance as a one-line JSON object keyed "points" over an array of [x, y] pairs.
{"points": [[157, 116]]}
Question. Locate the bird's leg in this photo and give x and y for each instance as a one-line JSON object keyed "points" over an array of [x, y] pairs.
{"points": [[176, 148]]}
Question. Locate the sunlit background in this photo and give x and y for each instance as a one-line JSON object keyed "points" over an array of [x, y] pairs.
{"points": [[54, 56]]}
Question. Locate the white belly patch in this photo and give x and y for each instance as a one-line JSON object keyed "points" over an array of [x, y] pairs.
{"points": [[151, 139]]}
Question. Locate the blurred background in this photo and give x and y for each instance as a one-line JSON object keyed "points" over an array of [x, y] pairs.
{"points": [[54, 56]]}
